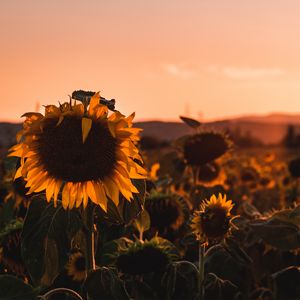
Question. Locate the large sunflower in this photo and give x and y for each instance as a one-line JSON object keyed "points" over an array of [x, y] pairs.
{"points": [[80, 150]]}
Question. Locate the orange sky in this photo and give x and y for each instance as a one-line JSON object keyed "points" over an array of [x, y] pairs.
{"points": [[158, 58]]}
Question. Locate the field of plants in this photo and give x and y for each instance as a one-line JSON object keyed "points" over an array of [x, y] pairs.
{"points": [[86, 213]]}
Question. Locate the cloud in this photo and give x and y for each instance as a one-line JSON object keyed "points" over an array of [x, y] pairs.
{"points": [[246, 73], [178, 71]]}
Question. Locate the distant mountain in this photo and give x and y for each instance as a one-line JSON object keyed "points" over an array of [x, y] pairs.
{"points": [[269, 129], [268, 133], [273, 118]]}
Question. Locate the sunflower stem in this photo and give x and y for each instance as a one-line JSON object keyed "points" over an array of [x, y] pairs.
{"points": [[201, 270], [88, 215]]}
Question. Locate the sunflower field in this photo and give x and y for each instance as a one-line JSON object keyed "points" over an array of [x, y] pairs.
{"points": [[88, 213]]}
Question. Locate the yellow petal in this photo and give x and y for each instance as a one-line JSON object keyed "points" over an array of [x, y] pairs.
{"points": [[50, 189], [112, 190], [86, 125], [65, 196], [73, 192], [79, 195], [91, 192], [18, 173], [56, 191], [102, 199], [85, 195], [95, 100]]}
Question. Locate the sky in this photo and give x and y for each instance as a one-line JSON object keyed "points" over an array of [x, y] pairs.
{"points": [[207, 59]]}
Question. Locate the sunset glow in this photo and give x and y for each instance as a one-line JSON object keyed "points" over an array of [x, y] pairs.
{"points": [[207, 58]]}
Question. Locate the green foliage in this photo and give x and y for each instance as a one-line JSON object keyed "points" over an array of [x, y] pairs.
{"points": [[12, 288], [180, 281], [142, 222], [218, 289], [46, 238], [281, 230], [105, 284]]}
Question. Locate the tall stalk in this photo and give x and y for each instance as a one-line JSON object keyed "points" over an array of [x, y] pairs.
{"points": [[201, 270]]}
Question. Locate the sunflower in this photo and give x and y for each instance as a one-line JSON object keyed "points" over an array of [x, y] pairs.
{"points": [[80, 150], [146, 257], [212, 221], [205, 147], [76, 266], [167, 211]]}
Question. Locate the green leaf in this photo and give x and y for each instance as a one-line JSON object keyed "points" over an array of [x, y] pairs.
{"points": [[110, 250], [277, 233], [226, 263], [46, 238], [288, 215], [286, 283], [142, 291], [7, 212], [181, 280], [132, 209], [142, 222], [12, 288], [218, 289], [105, 284], [190, 122]]}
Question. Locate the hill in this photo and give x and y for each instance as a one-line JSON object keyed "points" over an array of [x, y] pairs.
{"points": [[269, 129]]}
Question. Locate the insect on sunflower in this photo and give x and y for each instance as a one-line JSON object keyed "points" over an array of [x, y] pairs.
{"points": [[81, 150], [213, 220]]}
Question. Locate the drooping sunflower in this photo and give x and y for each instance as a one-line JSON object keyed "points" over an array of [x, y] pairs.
{"points": [[213, 220], [167, 211], [81, 150], [76, 267], [146, 257], [205, 147]]}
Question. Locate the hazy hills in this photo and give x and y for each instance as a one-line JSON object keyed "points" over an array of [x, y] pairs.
{"points": [[269, 129]]}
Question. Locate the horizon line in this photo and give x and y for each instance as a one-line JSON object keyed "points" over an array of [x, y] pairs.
{"points": [[177, 120]]}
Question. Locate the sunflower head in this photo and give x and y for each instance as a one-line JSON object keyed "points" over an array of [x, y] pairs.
{"points": [[202, 148], [76, 267], [213, 220], [249, 174], [80, 150], [167, 211], [145, 257]]}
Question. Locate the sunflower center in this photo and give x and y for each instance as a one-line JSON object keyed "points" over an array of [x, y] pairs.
{"points": [[215, 222], [63, 154]]}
